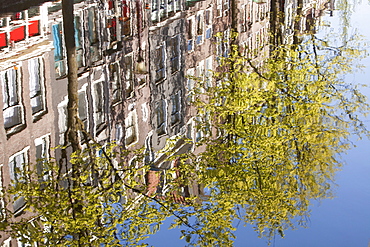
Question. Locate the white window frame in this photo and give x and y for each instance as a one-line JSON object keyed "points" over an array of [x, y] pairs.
{"points": [[83, 90], [155, 12], [176, 55], [23, 152], [131, 128], [164, 68], [200, 23], [62, 119], [176, 108], [61, 70], [219, 8], [115, 83], [190, 85], [159, 14], [144, 112], [125, 21], [99, 116], [94, 45], [200, 73], [44, 141], [81, 50], [208, 65], [163, 125], [226, 7], [17, 91], [129, 81], [118, 135], [191, 33], [41, 82], [208, 27], [25, 22], [12, 174]]}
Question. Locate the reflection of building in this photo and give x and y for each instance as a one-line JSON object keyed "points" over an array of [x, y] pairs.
{"points": [[166, 42], [117, 42], [11, 6], [303, 17], [26, 81], [111, 95]]}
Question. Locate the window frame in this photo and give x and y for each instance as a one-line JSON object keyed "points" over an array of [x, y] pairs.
{"points": [[17, 95], [160, 64], [115, 84], [129, 86], [175, 60], [190, 33], [41, 81], [92, 21], [44, 141], [176, 108], [99, 126], [28, 26], [190, 84], [83, 90], [161, 126], [200, 27], [79, 38], [19, 204], [62, 120], [126, 7], [131, 128], [60, 58], [208, 21]]}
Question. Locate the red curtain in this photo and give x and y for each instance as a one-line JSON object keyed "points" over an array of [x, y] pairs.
{"points": [[18, 34], [33, 28], [110, 4], [3, 40], [125, 10]]}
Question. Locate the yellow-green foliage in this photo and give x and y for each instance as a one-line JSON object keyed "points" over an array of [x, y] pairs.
{"points": [[87, 203], [278, 130], [271, 138]]}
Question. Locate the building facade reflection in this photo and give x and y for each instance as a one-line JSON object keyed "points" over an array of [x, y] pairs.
{"points": [[137, 66]]}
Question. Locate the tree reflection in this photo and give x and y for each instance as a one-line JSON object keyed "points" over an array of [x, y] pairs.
{"points": [[269, 134], [276, 133]]}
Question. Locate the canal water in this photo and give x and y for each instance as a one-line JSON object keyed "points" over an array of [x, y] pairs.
{"points": [[343, 221]]}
